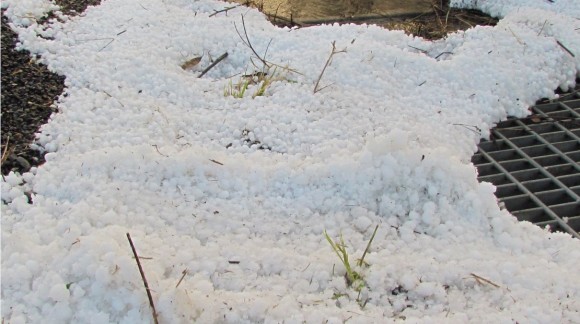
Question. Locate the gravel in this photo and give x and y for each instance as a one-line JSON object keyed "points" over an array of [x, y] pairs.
{"points": [[29, 91]]}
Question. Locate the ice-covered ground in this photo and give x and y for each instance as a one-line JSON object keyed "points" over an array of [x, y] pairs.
{"points": [[237, 192]]}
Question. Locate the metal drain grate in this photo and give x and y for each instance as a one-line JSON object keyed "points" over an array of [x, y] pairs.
{"points": [[534, 163]]}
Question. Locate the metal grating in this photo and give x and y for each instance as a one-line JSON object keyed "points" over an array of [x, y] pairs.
{"points": [[534, 163]]}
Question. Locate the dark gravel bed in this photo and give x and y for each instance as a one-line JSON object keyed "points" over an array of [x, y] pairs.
{"points": [[29, 91]]}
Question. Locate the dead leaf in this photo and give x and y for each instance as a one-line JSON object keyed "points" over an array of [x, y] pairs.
{"points": [[191, 63]]}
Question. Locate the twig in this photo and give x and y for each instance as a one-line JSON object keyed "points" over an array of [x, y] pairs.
{"points": [[219, 59], [157, 149], [4, 155], [109, 43], [480, 279], [565, 48], [181, 279], [421, 50], [247, 41], [224, 10], [155, 320], [334, 51], [542, 29], [468, 128], [447, 17], [216, 162], [464, 21], [436, 57], [517, 38]]}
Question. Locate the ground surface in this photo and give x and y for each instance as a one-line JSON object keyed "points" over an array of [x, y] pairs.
{"points": [[233, 198], [29, 89]]}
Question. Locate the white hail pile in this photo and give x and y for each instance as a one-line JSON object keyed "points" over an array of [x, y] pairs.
{"points": [[227, 199]]}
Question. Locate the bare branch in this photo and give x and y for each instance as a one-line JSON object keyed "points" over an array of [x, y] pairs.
{"points": [[332, 53], [224, 10], [219, 59], [248, 43], [154, 312]]}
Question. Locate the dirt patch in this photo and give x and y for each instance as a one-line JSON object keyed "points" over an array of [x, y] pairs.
{"points": [[29, 91]]}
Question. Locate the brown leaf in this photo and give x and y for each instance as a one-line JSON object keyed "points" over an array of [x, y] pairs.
{"points": [[191, 63], [536, 119]]}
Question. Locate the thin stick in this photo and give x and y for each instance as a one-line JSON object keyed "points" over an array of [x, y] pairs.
{"points": [[421, 50], [436, 57], [516, 36], [223, 10], [109, 43], [4, 155], [480, 279], [334, 51], [468, 128], [248, 43], [181, 279], [542, 29], [565, 48], [219, 59], [155, 320]]}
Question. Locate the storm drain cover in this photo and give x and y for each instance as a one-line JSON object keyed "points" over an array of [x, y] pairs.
{"points": [[534, 163]]}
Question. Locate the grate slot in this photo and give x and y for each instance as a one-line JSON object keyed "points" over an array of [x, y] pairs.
{"points": [[563, 169], [570, 180], [496, 179], [567, 210], [555, 226], [505, 155], [549, 160], [540, 185], [558, 109], [520, 164], [534, 215], [521, 202], [487, 169], [573, 222], [572, 104], [546, 108], [492, 146], [569, 146], [525, 141], [538, 150], [507, 190], [556, 137], [554, 197], [574, 156], [526, 175], [478, 159], [513, 132], [544, 128]]}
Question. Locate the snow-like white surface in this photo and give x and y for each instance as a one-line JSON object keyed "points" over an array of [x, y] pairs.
{"points": [[142, 146]]}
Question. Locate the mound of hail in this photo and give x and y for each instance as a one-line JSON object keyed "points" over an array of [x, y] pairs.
{"points": [[228, 182]]}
